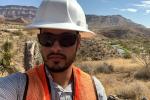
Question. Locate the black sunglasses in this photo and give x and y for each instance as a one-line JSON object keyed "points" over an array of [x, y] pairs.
{"points": [[65, 39]]}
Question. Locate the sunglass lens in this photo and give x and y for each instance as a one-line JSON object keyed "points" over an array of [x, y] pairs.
{"points": [[45, 40], [68, 40]]}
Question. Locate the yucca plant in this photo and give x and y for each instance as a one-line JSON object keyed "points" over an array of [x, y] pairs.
{"points": [[6, 57]]}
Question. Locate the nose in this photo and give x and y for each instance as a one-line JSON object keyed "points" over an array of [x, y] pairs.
{"points": [[56, 47]]}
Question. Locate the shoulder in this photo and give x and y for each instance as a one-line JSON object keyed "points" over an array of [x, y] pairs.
{"points": [[12, 85], [13, 77], [99, 89]]}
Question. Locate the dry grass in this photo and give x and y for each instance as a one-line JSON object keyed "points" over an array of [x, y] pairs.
{"points": [[119, 64], [135, 91], [32, 32], [143, 73], [104, 68], [121, 81], [124, 64], [93, 68]]}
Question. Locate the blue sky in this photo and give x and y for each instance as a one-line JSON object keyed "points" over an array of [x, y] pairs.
{"points": [[136, 10]]}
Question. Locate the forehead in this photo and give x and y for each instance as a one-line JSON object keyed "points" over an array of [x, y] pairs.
{"points": [[55, 31]]}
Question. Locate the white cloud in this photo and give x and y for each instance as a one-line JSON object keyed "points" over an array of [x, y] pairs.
{"points": [[128, 9], [144, 4], [147, 11]]}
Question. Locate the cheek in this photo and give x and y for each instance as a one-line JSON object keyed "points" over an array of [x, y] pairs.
{"points": [[44, 51], [71, 51]]}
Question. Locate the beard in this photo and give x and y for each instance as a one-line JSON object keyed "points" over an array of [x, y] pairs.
{"points": [[58, 66]]}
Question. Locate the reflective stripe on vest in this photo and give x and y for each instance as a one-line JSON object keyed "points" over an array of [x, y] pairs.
{"points": [[38, 86]]}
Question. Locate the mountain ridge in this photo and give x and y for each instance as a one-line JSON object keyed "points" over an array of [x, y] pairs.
{"points": [[116, 26], [111, 20], [11, 12]]}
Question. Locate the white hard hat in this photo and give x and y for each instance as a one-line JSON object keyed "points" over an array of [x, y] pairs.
{"points": [[61, 14]]}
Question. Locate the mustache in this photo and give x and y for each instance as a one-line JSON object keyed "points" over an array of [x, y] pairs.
{"points": [[56, 54]]}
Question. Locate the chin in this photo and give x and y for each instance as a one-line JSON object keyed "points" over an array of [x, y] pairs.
{"points": [[56, 64]]}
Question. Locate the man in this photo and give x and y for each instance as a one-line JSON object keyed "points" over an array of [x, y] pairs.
{"points": [[61, 23]]}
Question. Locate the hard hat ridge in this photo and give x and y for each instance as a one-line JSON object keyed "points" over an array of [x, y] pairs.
{"points": [[76, 13]]}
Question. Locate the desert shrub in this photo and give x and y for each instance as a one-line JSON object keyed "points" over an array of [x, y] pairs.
{"points": [[132, 91], [18, 33], [6, 57], [5, 30], [104, 68], [127, 55], [86, 68], [143, 73], [6, 53], [8, 69]]}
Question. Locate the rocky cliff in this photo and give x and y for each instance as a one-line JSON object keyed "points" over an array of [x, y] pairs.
{"points": [[14, 11]]}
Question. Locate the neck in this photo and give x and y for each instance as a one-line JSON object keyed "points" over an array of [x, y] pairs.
{"points": [[63, 78]]}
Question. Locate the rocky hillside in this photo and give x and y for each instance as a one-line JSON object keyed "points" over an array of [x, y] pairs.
{"points": [[110, 21], [116, 26], [12, 12], [96, 49]]}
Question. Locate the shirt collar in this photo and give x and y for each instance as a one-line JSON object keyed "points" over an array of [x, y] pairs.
{"points": [[57, 86]]}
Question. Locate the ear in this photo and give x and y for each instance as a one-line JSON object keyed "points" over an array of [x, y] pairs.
{"points": [[78, 41]]}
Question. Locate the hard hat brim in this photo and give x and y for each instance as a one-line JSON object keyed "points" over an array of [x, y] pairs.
{"points": [[63, 26]]}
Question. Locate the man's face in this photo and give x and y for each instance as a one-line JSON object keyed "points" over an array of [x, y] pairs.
{"points": [[58, 48]]}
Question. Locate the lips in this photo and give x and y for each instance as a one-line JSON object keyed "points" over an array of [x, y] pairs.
{"points": [[56, 57]]}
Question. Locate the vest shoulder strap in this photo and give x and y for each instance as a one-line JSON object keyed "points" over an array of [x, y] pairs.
{"points": [[37, 85], [84, 85], [26, 87]]}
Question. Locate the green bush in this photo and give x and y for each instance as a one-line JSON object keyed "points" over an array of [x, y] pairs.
{"points": [[127, 55]]}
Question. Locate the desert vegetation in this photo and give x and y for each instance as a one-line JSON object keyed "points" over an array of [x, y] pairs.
{"points": [[6, 57], [126, 79]]}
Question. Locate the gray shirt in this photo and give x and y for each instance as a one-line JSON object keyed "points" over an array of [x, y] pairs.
{"points": [[12, 88]]}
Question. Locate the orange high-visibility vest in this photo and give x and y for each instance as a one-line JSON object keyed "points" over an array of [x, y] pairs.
{"points": [[38, 86]]}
